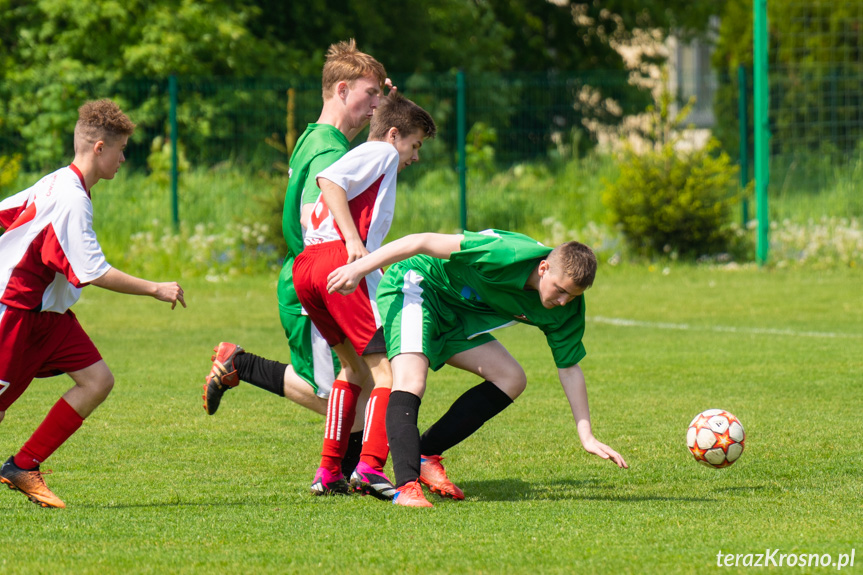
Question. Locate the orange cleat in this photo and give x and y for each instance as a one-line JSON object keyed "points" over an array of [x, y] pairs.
{"points": [[433, 474], [30, 483], [411, 495]]}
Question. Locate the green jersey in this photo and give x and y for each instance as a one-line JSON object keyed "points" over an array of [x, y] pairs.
{"points": [[483, 286], [317, 149]]}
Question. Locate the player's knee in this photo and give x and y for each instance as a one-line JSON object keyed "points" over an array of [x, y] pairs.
{"points": [[513, 383], [102, 383]]}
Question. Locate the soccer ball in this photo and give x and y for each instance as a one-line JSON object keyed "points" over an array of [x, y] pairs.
{"points": [[715, 438]]}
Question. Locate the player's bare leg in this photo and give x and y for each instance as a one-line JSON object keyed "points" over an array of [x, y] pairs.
{"points": [[21, 472], [299, 391], [92, 386]]}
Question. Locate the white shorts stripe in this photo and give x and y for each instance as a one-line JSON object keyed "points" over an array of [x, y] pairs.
{"points": [[411, 334], [322, 363]]}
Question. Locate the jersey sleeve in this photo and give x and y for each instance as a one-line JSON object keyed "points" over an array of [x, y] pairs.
{"points": [[322, 161], [357, 170], [565, 338], [74, 250], [501, 257]]}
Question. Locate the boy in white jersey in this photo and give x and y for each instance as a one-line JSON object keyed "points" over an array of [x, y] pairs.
{"points": [[48, 252], [351, 325]]}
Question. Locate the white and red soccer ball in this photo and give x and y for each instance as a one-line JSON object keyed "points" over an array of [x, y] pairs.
{"points": [[715, 438]]}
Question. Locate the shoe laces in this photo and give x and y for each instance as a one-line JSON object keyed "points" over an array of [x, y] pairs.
{"points": [[37, 474]]}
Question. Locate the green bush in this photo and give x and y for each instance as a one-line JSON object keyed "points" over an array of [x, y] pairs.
{"points": [[670, 201]]}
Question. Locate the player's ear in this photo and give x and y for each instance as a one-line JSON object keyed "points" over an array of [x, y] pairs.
{"points": [[543, 267], [391, 135], [342, 89], [99, 147]]}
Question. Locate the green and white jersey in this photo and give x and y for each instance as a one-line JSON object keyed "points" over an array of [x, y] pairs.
{"points": [[482, 288], [317, 149]]}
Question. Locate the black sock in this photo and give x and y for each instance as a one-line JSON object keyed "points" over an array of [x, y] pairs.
{"points": [[260, 372], [352, 455], [404, 436], [467, 414]]}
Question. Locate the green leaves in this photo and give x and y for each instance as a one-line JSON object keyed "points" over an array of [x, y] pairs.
{"points": [[668, 200]]}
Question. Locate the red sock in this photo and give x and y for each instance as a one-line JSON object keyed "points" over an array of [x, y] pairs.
{"points": [[375, 446], [341, 409], [60, 423]]}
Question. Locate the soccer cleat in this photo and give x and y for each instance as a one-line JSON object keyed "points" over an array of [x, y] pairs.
{"points": [[30, 483], [327, 483], [222, 376], [367, 480], [411, 495], [433, 474]]}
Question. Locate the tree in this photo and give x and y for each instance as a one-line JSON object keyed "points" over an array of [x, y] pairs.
{"points": [[57, 55]]}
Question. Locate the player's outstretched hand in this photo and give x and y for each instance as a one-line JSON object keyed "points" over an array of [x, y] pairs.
{"points": [[344, 280], [596, 447], [170, 292], [356, 249]]}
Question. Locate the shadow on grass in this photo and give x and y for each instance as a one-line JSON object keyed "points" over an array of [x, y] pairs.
{"points": [[560, 490]]}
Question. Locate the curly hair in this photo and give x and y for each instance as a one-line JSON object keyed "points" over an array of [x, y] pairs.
{"points": [[101, 120]]}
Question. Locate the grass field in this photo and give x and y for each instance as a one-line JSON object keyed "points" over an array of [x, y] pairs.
{"points": [[153, 485]]}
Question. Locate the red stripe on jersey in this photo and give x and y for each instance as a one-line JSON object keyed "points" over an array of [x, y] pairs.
{"points": [[36, 270], [54, 257], [362, 209], [9, 215], [24, 216]]}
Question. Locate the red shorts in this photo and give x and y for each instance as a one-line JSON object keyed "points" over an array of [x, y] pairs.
{"points": [[39, 344], [338, 317]]}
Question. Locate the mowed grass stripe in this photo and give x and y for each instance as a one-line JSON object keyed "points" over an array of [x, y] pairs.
{"points": [[622, 322]]}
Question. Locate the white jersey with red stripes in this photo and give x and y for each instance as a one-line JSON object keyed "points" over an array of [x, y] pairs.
{"points": [[368, 175], [49, 250]]}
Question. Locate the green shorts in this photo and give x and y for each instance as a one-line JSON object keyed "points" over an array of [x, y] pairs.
{"points": [[311, 356], [415, 320]]}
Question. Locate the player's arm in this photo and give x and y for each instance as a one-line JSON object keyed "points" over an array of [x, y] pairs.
{"points": [[121, 282], [575, 388], [336, 198], [345, 279]]}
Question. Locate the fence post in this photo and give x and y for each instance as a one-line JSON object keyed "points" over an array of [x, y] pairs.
{"points": [[461, 135], [175, 204], [761, 126], [743, 120]]}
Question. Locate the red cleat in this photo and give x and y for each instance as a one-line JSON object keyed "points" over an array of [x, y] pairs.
{"points": [[433, 474], [222, 377], [411, 495]]}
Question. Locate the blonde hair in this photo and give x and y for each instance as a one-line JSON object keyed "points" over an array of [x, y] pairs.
{"points": [[101, 120], [345, 63], [576, 260], [396, 111]]}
